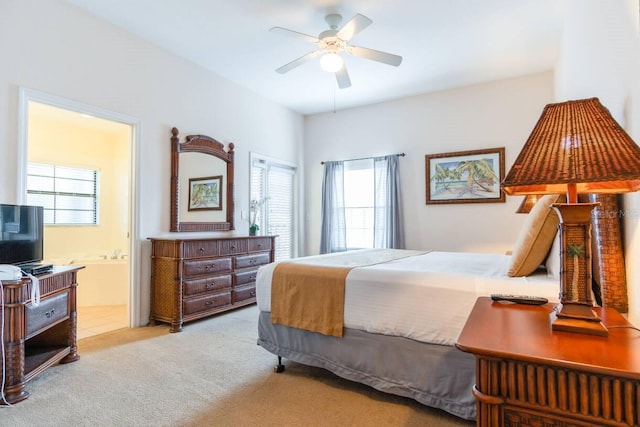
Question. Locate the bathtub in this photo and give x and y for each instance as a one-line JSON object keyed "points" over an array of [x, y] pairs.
{"points": [[102, 281]]}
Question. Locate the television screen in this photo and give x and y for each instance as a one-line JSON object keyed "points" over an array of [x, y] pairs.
{"points": [[21, 234]]}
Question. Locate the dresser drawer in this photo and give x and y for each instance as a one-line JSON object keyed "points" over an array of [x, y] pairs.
{"points": [[50, 311], [245, 261], [207, 266], [198, 286], [260, 244], [201, 248], [204, 303], [244, 293], [233, 246], [245, 277]]}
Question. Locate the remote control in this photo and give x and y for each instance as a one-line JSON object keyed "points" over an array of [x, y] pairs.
{"points": [[520, 299]]}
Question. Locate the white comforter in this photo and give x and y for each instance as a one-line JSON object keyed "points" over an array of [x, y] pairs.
{"points": [[424, 297]]}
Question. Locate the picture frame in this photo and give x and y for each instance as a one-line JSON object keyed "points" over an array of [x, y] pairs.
{"points": [[472, 176], [205, 194]]}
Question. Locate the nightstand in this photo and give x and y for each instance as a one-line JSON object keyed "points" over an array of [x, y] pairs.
{"points": [[37, 337], [529, 375]]}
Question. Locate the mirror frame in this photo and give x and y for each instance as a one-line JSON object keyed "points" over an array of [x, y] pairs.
{"points": [[205, 145]]}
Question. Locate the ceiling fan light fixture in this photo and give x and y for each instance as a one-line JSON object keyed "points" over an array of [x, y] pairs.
{"points": [[331, 62], [331, 44]]}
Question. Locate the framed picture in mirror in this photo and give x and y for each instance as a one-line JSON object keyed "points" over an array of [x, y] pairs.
{"points": [[205, 193]]}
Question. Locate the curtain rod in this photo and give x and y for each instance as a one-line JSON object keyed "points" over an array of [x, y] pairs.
{"points": [[365, 158]]}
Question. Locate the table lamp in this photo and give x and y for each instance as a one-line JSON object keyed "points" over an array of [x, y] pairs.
{"points": [[575, 147], [528, 203]]}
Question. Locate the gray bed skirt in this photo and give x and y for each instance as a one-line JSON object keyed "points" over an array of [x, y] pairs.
{"points": [[434, 375]]}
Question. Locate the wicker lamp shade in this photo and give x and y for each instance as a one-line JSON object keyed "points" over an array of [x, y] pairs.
{"points": [[580, 143], [575, 147]]}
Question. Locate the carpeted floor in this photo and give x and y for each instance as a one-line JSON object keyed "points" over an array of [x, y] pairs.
{"points": [[211, 374]]}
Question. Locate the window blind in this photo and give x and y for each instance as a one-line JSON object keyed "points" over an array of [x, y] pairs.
{"points": [[276, 182], [68, 195]]}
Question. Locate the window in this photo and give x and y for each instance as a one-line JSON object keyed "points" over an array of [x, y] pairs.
{"points": [[69, 195], [361, 206], [359, 203], [275, 181]]}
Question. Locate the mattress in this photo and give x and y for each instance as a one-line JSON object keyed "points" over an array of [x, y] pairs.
{"points": [[425, 297]]}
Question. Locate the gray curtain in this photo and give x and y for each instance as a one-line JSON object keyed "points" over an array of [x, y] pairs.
{"points": [[333, 236], [388, 228]]}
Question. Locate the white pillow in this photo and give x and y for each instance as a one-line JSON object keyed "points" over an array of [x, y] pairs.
{"points": [[553, 259], [535, 238]]}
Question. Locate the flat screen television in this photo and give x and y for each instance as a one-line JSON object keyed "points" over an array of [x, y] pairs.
{"points": [[21, 234]]}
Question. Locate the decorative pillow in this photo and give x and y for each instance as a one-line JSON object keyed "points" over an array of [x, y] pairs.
{"points": [[535, 238], [553, 259]]}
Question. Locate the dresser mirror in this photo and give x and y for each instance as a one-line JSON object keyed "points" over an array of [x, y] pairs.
{"points": [[201, 184]]}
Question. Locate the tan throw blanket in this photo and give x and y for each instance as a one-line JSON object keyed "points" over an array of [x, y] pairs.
{"points": [[309, 293]]}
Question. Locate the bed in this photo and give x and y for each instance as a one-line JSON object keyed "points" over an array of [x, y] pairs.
{"points": [[403, 310]]}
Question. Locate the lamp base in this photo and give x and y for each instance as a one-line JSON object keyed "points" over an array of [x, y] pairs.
{"points": [[578, 318], [575, 313]]}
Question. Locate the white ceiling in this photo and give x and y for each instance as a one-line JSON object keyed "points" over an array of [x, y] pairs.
{"points": [[444, 43]]}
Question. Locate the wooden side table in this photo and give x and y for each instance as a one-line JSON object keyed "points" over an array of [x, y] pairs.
{"points": [[37, 337], [529, 375]]}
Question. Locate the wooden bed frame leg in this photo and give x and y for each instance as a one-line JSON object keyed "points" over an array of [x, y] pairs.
{"points": [[279, 367]]}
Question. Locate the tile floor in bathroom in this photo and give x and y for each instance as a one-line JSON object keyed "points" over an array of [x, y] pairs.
{"points": [[95, 320]]}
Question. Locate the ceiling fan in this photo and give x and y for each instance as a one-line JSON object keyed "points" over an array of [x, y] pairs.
{"points": [[332, 42]]}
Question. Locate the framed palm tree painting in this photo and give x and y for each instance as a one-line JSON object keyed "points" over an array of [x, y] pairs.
{"points": [[465, 176], [205, 193]]}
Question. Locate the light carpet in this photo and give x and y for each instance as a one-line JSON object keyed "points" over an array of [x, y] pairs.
{"points": [[211, 374]]}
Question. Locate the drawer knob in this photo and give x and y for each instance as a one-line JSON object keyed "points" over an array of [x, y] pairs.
{"points": [[252, 261], [210, 267], [259, 245], [201, 250], [233, 247], [48, 314], [252, 293], [252, 277], [210, 285], [209, 303]]}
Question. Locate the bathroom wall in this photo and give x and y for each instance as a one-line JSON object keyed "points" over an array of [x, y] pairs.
{"points": [[64, 138], [56, 137]]}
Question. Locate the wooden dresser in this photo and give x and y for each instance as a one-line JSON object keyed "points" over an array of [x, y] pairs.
{"points": [[192, 278], [36, 337], [529, 375]]}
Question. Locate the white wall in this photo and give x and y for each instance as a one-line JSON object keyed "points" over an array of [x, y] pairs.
{"points": [[632, 201], [498, 114], [55, 48], [600, 57]]}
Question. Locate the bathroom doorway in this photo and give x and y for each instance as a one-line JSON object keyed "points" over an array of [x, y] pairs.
{"points": [[69, 141]]}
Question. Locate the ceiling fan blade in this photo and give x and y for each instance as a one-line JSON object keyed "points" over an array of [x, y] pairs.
{"points": [[297, 62], [342, 76], [301, 36], [353, 27], [375, 55]]}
